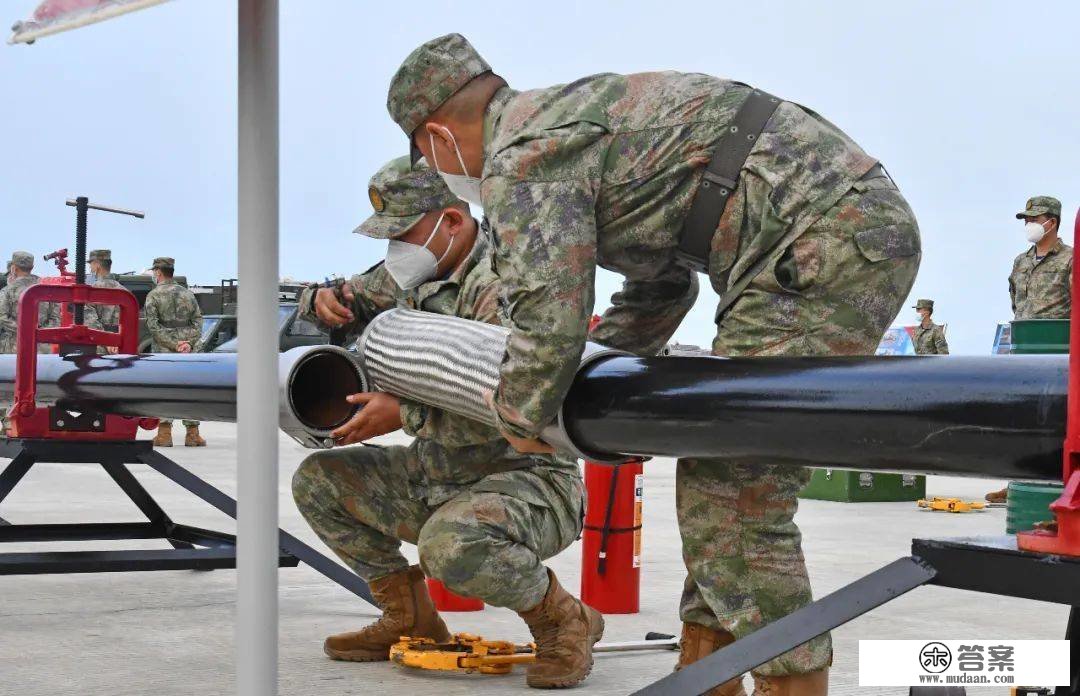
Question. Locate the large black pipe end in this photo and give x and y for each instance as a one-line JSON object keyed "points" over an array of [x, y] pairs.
{"points": [[318, 385]]}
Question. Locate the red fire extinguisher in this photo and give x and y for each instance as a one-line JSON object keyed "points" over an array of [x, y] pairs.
{"points": [[445, 600], [611, 539]]}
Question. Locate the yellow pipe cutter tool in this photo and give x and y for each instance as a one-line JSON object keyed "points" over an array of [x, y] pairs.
{"points": [[950, 505], [466, 652]]}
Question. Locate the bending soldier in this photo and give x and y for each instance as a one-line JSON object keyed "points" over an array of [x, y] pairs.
{"points": [[804, 235]]}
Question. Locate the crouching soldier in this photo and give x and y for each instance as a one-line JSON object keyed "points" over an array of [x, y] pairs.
{"points": [[482, 515]]}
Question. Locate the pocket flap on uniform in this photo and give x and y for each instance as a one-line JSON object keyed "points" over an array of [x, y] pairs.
{"points": [[889, 242]]}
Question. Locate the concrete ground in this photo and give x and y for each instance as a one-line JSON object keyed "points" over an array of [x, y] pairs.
{"points": [[169, 633]]}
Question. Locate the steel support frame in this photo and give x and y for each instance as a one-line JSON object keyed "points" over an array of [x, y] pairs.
{"points": [[982, 564], [193, 547]]}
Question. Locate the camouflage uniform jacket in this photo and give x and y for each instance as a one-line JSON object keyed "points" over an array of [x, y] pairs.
{"points": [[930, 340], [172, 315], [48, 313], [104, 317], [1042, 288], [602, 171], [454, 450]]}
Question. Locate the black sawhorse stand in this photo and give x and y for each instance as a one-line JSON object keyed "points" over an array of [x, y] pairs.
{"points": [[193, 548], [981, 564]]}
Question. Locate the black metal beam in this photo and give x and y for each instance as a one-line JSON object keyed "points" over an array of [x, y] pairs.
{"points": [[14, 472], [98, 531], [836, 609], [195, 485], [994, 565], [51, 562]]}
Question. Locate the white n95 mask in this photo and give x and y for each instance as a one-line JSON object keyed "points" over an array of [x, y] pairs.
{"points": [[463, 186], [411, 265], [1034, 231]]}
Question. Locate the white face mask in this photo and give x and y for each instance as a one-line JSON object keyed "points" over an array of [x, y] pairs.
{"points": [[411, 265], [1034, 232], [463, 186]]}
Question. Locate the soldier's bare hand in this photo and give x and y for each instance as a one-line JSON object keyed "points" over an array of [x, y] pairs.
{"points": [[381, 414], [183, 347], [329, 308]]}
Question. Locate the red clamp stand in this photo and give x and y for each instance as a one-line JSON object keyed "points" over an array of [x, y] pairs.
{"points": [[1065, 540], [28, 419]]}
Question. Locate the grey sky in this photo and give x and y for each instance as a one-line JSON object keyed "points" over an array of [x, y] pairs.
{"points": [[970, 109]]}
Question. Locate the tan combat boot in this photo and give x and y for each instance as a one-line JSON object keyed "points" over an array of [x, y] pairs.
{"points": [[193, 438], [809, 684], [164, 435], [998, 496], [407, 611], [565, 631], [699, 641]]}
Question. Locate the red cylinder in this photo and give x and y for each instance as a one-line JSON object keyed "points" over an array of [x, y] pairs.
{"points": [[611, 560], [445, 600]]}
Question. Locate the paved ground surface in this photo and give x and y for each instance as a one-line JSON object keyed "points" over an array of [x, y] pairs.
{"points": [[172, 632]]}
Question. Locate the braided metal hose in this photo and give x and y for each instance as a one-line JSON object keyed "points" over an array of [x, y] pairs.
{"points": [[446, 362]]}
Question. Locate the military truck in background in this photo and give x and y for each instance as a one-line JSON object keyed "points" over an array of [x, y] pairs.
{"points": [[218, 306]]}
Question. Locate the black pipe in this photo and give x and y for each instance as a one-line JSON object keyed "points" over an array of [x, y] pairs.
{"points": [[996, 417], [314, 381]]}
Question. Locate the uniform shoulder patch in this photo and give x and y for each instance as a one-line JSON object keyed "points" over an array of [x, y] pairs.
{"points": [[376, 199]]}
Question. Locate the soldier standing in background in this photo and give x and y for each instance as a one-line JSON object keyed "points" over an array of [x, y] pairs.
{"points": [[929, 337], [174, 321], [19, 278], [803, 234], [98, 316], [1040, 285]]}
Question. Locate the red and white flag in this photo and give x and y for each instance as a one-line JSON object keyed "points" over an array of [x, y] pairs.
{"points": [[55, 16]]}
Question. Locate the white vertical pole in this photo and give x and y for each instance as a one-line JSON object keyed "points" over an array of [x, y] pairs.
{"points": [[257, 413]]}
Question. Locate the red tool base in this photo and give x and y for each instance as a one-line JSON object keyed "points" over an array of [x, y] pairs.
{"points": [[445, 600], [1066, 540], [58, 424]]}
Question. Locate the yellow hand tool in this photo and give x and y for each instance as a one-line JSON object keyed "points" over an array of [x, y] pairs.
{"points": [[466, 652], [951, 505]]}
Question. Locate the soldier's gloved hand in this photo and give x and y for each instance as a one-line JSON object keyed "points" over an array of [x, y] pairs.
{"points": [[183, 347], [328, 306], [381, 414]]}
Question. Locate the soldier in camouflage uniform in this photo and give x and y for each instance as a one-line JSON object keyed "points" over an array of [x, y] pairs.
{"points": [[20, 277], [483, 516], [1040, 284], [20, 274], [602, 171], [929, 338], [99, 316], [174, 321]]}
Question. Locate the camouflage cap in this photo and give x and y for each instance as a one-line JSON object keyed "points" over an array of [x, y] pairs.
{"points": [[1041, 205], [401, 195], [22, 259], [99, 255], [430, 75], [163, 262], [924, 304]]}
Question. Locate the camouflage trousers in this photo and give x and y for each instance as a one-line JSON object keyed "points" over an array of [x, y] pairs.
{"points": [[488, 541], [187, 423], [833, 292]]}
